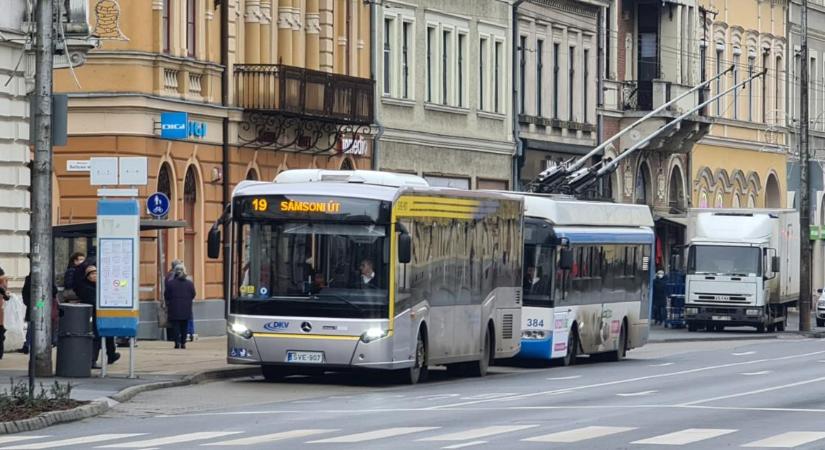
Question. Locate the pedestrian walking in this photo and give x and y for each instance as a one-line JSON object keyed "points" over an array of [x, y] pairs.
{"points": [[70, 277], [87, 291], [659, 298], [179, 295], [4, 297]]}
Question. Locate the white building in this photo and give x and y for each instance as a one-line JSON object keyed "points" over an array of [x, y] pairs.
{"points": [[16, 80]]}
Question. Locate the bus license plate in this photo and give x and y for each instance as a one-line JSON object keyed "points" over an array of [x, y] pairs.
{"points": [[305, 357], [721, 318]]}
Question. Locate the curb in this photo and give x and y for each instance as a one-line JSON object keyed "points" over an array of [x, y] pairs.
{"points": [[712, 339], [97, 407]]}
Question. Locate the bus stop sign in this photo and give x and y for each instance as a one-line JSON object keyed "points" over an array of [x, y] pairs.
{"points": [[157, 205]]}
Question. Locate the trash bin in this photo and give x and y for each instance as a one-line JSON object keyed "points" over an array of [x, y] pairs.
{"points": [[75, 341]]}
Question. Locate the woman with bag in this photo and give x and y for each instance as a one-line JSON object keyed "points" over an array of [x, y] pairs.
{"points": [[179, 294]]}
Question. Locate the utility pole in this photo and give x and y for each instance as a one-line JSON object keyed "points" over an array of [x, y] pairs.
{"points": [[804, 206], [41, 218]]}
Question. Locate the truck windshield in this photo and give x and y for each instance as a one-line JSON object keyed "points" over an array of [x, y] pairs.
{"points": [[311, 270], [724, 260]]}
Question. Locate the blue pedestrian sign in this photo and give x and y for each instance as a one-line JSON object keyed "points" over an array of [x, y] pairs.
{"points": [[157, 205]]}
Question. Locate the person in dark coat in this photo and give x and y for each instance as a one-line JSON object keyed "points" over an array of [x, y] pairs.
{"points": [[86, 290], [366, 279], [76, 261], [26, 293], [179, 295], [659, 298]]}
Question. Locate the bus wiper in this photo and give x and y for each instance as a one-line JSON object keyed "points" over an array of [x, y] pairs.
{"points": [[339, 298]]}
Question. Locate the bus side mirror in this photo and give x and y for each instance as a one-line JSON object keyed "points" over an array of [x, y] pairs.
{"points": [[566, 259], [404, 248], [213, 246]]}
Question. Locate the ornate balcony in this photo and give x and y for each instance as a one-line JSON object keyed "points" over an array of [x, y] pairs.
{"points": [[301, 108]]}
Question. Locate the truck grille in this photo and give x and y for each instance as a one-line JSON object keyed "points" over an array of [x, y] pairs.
{"points": [[507, 326]]}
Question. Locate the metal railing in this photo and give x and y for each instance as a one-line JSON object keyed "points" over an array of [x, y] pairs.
{"points": [[296, 91]]}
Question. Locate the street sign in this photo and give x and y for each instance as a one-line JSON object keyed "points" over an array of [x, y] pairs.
{"points": [[104, 171], [133, 171], [157, 205], [75, 165], [174, 125]]}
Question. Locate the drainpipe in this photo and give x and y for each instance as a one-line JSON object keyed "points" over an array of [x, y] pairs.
{"points": [[225, 147], [518, 152], [374, 70]]}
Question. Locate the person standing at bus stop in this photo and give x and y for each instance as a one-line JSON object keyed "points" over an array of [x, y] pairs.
{"points": [[179, 294], [86, 289], [659, 298]]}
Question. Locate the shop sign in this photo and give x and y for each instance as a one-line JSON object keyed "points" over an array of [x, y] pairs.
{"points": [[356, 146], [176, 125]]}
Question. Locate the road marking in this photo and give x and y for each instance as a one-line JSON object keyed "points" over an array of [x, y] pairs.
{"points": [[683, 437], [750, 374], [435, 396], [304, 402], [788, 440], [758, 391], [270, 437], [637, 394], [661, 365], [10, 439], [743, 353], [572, 377], [478, 433], [73, 441], [580, 434], [188, 437], [373, 435], [489, 396], [466, 444], [629, 380]]}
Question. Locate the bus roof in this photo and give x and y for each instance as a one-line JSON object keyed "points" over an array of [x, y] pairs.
{"points": [[567, 211], [354, 190]]}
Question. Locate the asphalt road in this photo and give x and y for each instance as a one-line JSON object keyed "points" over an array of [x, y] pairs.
{"points": [[708, 395]]}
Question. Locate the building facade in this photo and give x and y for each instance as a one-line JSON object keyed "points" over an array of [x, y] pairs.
{"points": [[16, 70], [816, 130], [444, 87], [742, 161], [299, 96], [558, 79]]}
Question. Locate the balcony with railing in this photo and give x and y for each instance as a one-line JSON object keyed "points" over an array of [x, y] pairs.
{"points": [[646, 95], [280, 90]]}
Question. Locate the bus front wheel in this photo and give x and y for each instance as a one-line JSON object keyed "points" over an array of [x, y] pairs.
{"points": [[418, 372], [572, 348]]}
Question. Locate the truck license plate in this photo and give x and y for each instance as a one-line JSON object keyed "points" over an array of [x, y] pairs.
{"points": [[305, 357], [721, 318]]}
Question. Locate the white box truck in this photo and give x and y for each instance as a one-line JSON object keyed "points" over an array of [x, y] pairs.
{"points": [[742, 268]]}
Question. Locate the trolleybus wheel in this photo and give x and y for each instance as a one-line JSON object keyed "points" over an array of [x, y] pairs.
{"points": [[479, 368], [418, 372], [621, 348], [572, 348]]}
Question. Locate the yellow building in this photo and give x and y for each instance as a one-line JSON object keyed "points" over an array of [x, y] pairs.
{"points": [[742, 161], [300, 96]]}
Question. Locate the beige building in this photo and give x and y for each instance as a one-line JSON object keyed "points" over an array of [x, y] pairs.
{"points": [[298, 79]]}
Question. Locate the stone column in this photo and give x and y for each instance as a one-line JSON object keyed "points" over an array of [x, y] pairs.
{"points": [[313, 35], [285, 32], [266, 32], [363, 41], [252, 31], [327, 35], [298, 36]]}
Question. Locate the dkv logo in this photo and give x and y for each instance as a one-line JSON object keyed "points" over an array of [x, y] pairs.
{"points": [[276, 326]]}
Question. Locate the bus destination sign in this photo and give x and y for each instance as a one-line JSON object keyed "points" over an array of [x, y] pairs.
{"points": [[291, 206]]}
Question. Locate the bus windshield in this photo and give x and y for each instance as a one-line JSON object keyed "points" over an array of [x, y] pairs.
{"points": [[724, 260], [312, 270], [538, 273]]}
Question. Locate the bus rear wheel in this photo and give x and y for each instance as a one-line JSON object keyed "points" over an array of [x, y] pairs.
{"points": [[621, 346], [479, 368]]}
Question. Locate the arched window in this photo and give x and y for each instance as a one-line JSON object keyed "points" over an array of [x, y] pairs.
{"points": [[720, 201], [737, 202], [347, 164], [751, 201], [640, 194], [773, 197], [703, 198], [190, 200], [252, 175]]}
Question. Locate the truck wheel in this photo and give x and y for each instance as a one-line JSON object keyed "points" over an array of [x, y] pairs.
{"points": [[760, 328], [691, 327], [820, 322], [781, 325]]}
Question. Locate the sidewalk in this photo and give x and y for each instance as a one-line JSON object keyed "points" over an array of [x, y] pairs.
{"points": [[155, 361]]}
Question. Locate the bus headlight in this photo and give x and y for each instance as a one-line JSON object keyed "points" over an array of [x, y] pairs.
{"points": [[240, 330], [373, 334], [532, 334]]}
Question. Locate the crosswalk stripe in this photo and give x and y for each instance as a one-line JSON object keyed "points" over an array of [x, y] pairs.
{"points": [[683, 437], [270, 437], [189, 437], [466, 444], [73, 441], [580, 434], [478, 433], [10, 439], [788, 440], [373, 435]]}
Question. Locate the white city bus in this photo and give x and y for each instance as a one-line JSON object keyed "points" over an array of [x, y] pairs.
{"points": [[360, 269], [587, 278]]}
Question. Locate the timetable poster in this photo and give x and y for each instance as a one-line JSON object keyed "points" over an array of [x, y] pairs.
{"points": [[115, 270]]}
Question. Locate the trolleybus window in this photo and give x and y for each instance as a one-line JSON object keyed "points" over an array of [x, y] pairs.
{"points": [[538, 275], [312, 269]]}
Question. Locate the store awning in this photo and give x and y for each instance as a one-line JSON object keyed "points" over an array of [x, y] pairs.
{"points": [[672, 218], [89, 229]]}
